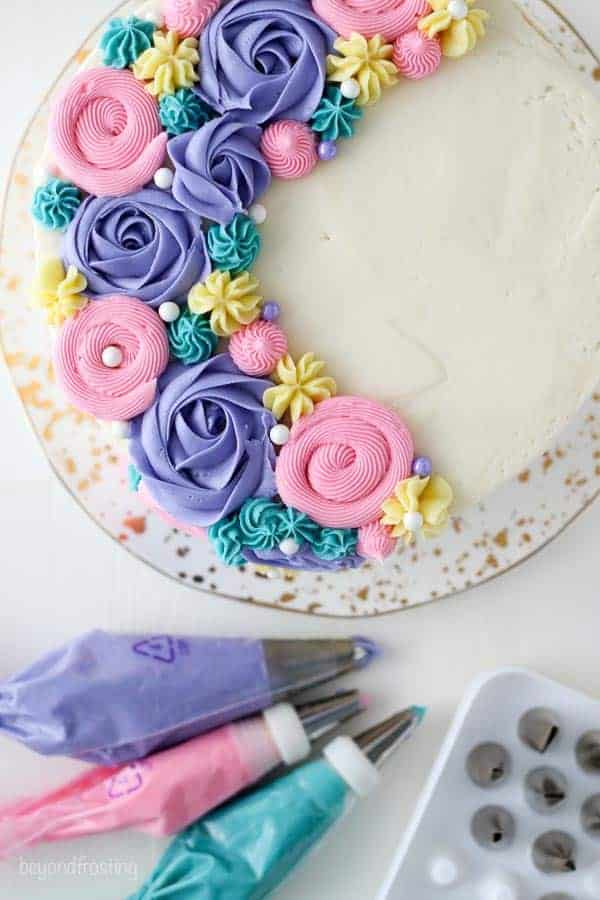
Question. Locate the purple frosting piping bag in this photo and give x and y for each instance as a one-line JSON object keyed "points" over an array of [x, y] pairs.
{"points": [[111, 698]]}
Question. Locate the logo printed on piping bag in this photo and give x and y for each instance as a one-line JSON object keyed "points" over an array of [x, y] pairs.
{"points": [[126, 782], [161, 648]]}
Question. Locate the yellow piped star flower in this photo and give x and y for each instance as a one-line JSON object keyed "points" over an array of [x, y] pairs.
{"points": [[57, 292], [368, 61], [169, 65], [301, 385], [231, 302], [418, 505], [457, 22]]}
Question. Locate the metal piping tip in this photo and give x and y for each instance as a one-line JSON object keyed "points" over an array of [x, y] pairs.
{"points": [[294, 666], [379, 742], [321, 716], [539, 729]]}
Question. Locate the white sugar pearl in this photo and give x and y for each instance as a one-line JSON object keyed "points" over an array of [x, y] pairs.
{"points": [[458, 9], [445, 870], [112, 357], [169, 311], [279, 434], [121, 430], [289, 547], [413, 521], [41, 173], [163, 178], [257, 213], [350, 88]]}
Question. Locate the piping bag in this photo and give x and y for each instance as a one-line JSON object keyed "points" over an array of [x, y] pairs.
{"points": [[111, 698], [167, 791], [246, 849]]}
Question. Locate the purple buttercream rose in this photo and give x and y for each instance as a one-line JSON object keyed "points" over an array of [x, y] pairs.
{"points": [[304, 559], [219, 170], [265, 59], [203, 448], [145, 245]]}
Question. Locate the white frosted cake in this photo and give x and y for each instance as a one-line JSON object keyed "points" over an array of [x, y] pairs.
{"points": [[445, 262], [448, 264]]}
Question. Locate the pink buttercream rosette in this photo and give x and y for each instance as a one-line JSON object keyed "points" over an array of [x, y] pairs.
{"points": [[112, 393], [257, 348], [289, 149], [416, 55], [188, 17], [375, 541], [389, 18], [343, 461], [105, 133]]}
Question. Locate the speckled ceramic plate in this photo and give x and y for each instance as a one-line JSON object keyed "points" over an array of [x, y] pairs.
{"points": [[516, 521]]}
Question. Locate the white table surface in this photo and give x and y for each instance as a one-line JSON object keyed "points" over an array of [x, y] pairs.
{"points": [[59, 575]]}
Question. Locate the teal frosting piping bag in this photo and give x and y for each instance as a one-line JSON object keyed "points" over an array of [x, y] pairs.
{"points": [[165, 792], [112, 698], [245, 850]]}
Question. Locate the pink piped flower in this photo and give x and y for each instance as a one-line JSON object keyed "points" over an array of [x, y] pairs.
{"points": [[375, 541], [416, 55], [289, 149], [188, 17], [109, 356], [257, 348]]}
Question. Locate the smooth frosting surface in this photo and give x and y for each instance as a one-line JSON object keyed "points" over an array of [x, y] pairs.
{"points": [[459, 285]]}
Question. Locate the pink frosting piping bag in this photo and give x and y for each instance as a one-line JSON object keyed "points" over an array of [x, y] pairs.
{"points": [[162, 794]]}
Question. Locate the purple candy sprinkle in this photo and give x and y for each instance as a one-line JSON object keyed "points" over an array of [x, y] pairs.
{"points": [[422, 466], [271, 311], [327, 150]]}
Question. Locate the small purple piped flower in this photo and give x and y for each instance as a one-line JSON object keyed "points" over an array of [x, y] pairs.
{"points": [[271, 311], [422, 466], [327, 150]]}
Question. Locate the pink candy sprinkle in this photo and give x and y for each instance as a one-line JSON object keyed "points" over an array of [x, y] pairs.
{"points": [[375, 541], [289, 148], [257, 348], [416, 55], [188, 17]]}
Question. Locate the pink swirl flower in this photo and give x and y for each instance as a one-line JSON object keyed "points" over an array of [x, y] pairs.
{"points": [[416, 55], [289, 149], [375, 541], [389, 18], [257, 348], [140, 337], [105, 133], [343, 461], [188, 17]]}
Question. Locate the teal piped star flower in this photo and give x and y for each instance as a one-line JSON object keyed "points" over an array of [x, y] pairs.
{"points": [[183, 111], [260, 524], [234, 247], [335, 543], [335, 116], [55, 204], [298, 526], [191, 339], [124, 40], [134, 478], [227, 539]]}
